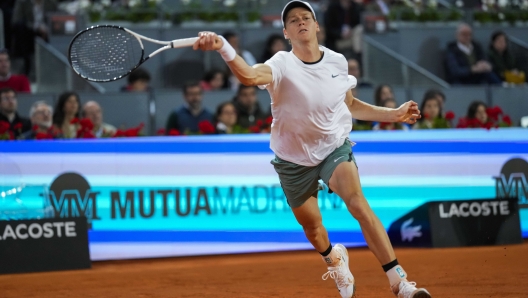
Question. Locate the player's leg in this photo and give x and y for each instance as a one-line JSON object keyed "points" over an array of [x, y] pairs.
{"points": [[300, 185], [346, 184], [309, 217]]}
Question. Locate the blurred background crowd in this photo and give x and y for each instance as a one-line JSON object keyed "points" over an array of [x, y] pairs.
{"points": [[464, 62]]}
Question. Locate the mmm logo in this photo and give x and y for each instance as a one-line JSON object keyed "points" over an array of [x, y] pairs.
{"points": [[512, 181], [70, 196]]}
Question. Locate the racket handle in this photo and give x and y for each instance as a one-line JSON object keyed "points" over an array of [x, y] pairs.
{"points": [[186, 42]]}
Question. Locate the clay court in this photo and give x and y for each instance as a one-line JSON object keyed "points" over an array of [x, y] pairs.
{"points": [[496, 271]]}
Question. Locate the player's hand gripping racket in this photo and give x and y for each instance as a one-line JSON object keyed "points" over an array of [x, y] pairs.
{"points": [[107, 53]]}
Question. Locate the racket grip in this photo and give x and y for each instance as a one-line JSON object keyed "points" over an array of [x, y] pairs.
{"points": [[186, 42]]}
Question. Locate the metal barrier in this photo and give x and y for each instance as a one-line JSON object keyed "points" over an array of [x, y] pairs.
{"points": [[384, 66], [54, 74]]}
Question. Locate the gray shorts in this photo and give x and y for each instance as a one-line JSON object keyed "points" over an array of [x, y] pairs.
{"points": [[299, 183]]}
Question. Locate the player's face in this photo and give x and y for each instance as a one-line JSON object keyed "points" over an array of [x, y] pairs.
{"points": [[300, 25]]}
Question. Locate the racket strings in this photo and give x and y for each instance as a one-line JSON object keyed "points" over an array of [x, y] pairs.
{"points": [[105, 53]]}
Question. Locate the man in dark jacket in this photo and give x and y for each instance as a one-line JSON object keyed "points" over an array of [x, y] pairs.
{"points": [[248, 108], [465, 62], [8, 113], [192, 113]]}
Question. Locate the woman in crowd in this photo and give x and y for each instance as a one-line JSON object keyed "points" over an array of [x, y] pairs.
{"points": [[226, 118], [213, 80], [432, 114], [274, 44], [499, 55], [65, 111], [383, 92], [477, 110]]}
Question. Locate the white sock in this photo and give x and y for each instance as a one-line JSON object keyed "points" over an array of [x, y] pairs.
{"points": [[332, 259], [396, 274]]}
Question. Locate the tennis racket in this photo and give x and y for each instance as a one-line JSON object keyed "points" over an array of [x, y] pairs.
{"points": [[107, 53]]}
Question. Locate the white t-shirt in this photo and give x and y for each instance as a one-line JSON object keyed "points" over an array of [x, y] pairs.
{"points": [[310, 117]]}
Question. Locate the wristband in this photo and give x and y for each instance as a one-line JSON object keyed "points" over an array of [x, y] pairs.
{"points": [[227, 52]]}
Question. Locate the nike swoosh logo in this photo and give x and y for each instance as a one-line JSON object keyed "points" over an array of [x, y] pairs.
{"points": [[334, 76], [338, 159]]}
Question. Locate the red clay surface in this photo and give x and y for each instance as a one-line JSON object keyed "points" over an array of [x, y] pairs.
{"points": [[498, 271]]}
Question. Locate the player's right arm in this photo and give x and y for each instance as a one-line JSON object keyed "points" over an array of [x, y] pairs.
{"points": [[259, 74]]}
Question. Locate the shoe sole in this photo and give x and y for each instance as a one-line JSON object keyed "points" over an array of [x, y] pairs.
{"points": [[354, 285], [421, 294]]}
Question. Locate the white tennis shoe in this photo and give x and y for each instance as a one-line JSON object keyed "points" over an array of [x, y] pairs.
{"points": [[341, 274], [408, 290]]}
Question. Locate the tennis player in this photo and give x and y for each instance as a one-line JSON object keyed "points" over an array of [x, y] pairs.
{"points": [[312, 107]]}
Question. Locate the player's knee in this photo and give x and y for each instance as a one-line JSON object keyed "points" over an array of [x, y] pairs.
{"points": [[358, 207]]}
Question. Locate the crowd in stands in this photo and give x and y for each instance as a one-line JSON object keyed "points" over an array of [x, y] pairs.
{"points": [[466, 62]]}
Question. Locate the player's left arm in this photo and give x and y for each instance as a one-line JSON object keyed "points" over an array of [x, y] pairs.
{"points": [[407, 112]]}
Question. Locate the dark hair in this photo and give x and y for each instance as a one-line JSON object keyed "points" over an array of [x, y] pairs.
{"points": [[242, 87], [221, 107], [190, 84], [209, 76], [472, 109], [496, 35], [6, 90], [269, 43], [377, 93], [138, 75], [58, 113], [425, 100], [227, 35], [431, 93], [4, 51]]}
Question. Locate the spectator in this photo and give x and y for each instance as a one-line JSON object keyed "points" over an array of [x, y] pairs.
{"points": [[233, 40], [66, 110], [477, 110], [248, 108], [138, 81], [465, 61], [391, 104], [40, 115], [213, 80], [439, 95], [354, 70], [275, 43], [383, 92], [7, 7], [19, 83], [92, 110], [9, 114], [30, 21], [501, 59], [226, 118], [187, 117], [432, 116], [343, 26]]}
